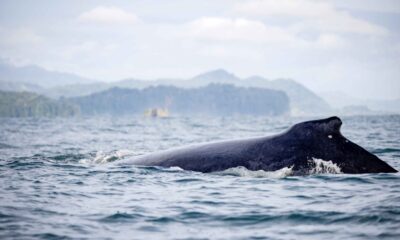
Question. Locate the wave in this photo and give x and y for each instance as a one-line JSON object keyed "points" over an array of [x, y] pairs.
{"points": [[5, 146], [121, 217], [385, 150], [244, 172]]}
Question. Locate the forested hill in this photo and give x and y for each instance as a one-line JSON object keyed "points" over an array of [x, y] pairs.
{"points": [[215, 99], [25, 104]]}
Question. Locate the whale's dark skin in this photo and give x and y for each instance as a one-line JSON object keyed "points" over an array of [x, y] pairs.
{"points": [[319, 139]]}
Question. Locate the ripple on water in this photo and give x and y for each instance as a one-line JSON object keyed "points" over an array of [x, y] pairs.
{"points": [[6, 146], [20, 164], [188, 180], [121, 217], [64, 181], [385, 150]]}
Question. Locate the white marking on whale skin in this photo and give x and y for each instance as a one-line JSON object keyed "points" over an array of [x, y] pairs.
{"points": [[329, 136], [321, 166], [244, 172]]}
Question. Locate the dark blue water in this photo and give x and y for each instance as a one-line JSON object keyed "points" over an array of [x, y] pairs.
{"points": [[59, 180]]}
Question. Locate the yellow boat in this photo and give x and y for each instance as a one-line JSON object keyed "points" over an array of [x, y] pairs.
{"points": [[156, 112]]}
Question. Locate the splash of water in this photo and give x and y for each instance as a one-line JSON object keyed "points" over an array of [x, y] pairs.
{"points": [[244, 172], [321, 166], [317, 166], [107, 157]]}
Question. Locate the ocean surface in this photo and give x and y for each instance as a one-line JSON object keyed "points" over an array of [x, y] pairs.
{"points": [[63, 179]]}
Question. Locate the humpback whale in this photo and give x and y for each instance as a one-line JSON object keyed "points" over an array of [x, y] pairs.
{"points": [[295, 148]]}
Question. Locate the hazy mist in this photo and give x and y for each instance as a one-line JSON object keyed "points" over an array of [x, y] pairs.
{"points": [[351, 47]]}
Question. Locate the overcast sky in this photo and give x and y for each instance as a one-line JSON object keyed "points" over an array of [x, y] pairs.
{"points": [[347, 46]]}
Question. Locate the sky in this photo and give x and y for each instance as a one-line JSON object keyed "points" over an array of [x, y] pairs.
{"points": [[349, 46]]}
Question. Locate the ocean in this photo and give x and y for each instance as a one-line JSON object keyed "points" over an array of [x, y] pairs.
{"points": [[62, 178]]}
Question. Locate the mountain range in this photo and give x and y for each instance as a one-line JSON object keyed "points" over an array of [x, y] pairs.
{"points": [[32, 75], [59, 84], [342, 101]]}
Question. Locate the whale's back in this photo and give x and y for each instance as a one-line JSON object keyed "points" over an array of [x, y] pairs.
{"points": [[295, 148]]}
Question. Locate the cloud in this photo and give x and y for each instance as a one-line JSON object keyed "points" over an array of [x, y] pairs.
{"points": [[397, 47], [302, 8], [108, 15], [311, 15], [88, 48], [19, 36], [244, 31], [329, 41], [381, 6], [235, 29]]}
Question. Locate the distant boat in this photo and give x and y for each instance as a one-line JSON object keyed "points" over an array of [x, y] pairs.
{"points": [[157, 112]]}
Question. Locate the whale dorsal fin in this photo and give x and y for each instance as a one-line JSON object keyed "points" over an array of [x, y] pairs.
{"points": [[329, 125], [326, 126]]}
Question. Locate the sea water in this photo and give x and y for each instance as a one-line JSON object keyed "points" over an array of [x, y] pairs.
{"points": [[59, 180]]}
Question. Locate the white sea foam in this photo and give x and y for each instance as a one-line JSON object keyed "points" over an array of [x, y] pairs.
{"points": [[106, 157], [174, 169], [320, 166], [317, 166], [244, 172]]}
